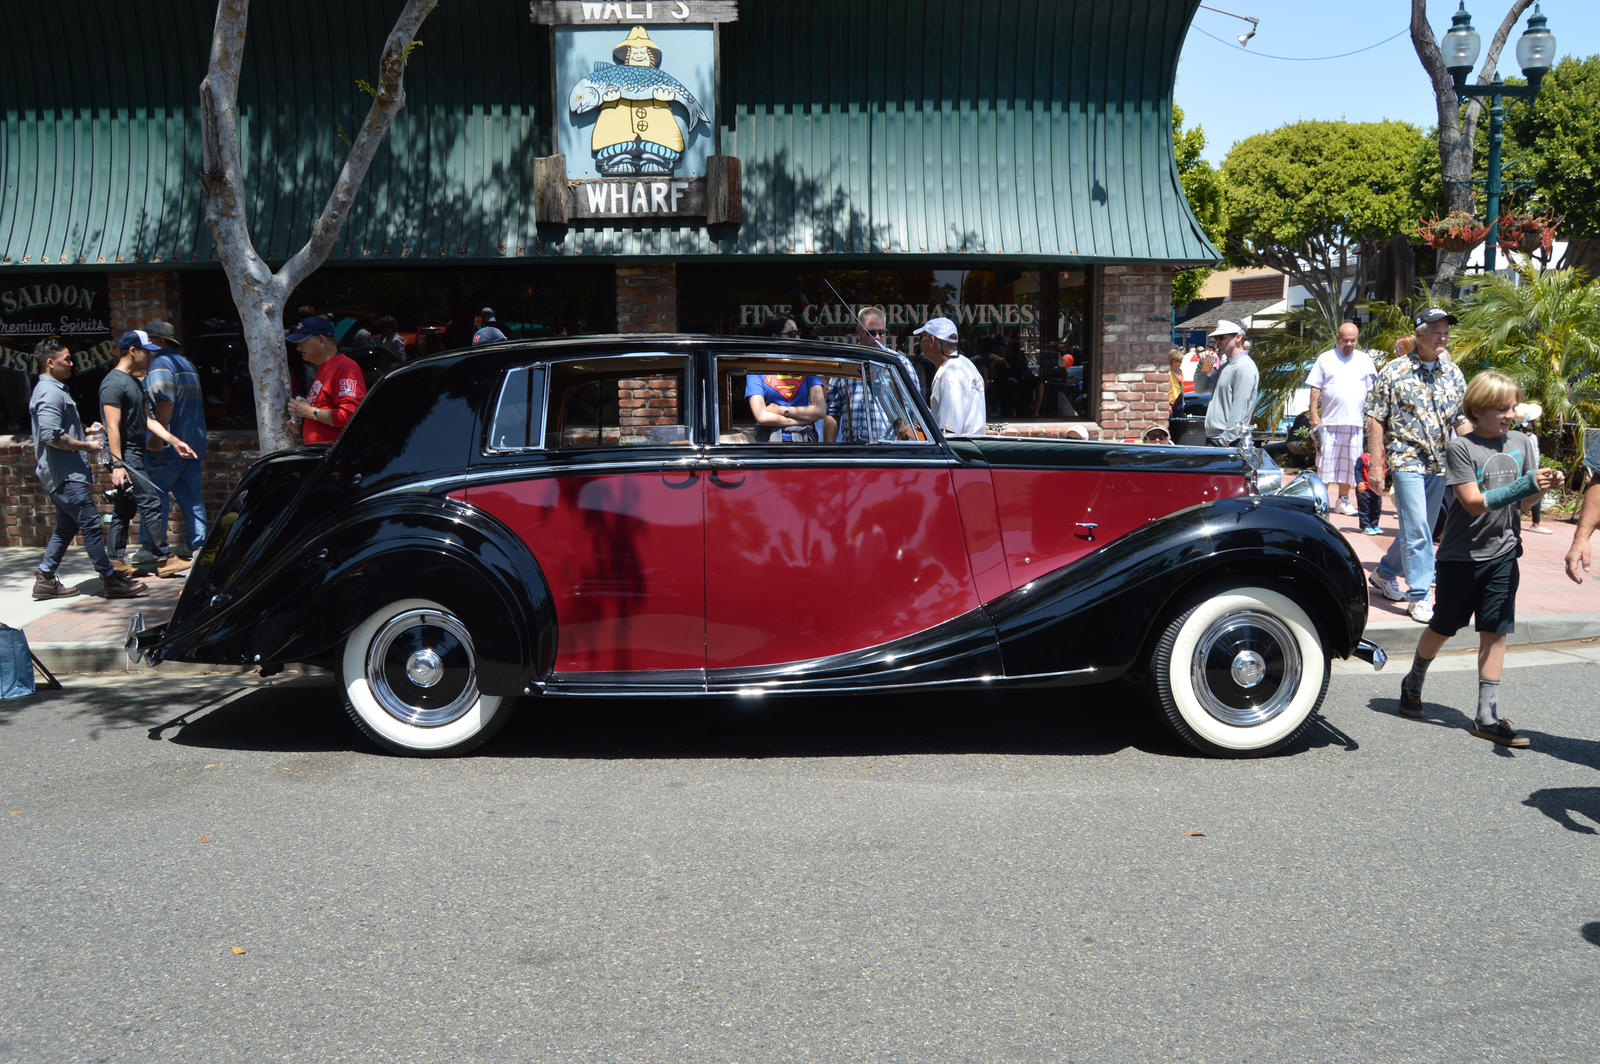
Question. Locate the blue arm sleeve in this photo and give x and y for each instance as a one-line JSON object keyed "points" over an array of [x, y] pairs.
{"points": [[1516, 491]]}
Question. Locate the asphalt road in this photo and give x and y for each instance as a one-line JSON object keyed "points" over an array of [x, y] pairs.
{"points": [[210, 869]]}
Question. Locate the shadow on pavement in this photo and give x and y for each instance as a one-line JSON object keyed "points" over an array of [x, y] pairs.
{"points": [[1559, 803], [306, 713]]}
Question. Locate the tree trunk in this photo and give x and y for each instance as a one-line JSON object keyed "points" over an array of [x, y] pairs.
{"points": [[258, 292], [1456, 136]]}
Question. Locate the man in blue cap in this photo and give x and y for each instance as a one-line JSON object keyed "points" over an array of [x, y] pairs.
{"points": [[488, 329], [124, 408], [338, 389]]}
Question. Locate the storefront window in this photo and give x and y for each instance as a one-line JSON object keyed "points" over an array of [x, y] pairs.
{"points": [[1027, 330], [432, 309]]}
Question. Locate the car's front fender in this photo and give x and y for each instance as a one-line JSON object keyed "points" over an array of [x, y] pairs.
{"points": [[1093, 619]]}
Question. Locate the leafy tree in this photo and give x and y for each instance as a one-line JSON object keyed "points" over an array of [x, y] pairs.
{"points": [[1316, 200], [1555, 141], [258, 291], [1202, 184], [1542, 329], [1457, 129]]}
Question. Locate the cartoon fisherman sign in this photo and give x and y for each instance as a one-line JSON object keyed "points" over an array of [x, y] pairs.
{"points": [[636, 131], [646, 122]]}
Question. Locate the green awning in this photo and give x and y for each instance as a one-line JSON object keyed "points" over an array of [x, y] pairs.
{"points": [[917, 129]]}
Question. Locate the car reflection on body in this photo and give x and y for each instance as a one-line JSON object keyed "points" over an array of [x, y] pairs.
{"points": [[594, 518]]}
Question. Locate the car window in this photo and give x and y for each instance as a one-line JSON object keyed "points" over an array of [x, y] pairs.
{"points": [[515, 425], [865, 403], [615, 402]]}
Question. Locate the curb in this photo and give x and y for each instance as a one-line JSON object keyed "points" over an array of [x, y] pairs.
{"points": [[1399, 638], [66, 659]]}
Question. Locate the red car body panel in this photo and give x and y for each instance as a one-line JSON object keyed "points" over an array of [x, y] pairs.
{"points": [[623, 554], [816, 561], [980, 523], [1052, 517]]}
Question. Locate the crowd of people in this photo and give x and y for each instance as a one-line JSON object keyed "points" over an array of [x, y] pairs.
{"points": [[795, 409]]}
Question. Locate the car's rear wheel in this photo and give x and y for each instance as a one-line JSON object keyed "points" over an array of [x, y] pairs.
{"points": [[1239, 673], [410, 679]]}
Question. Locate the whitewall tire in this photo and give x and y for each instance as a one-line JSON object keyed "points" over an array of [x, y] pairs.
{"points": [[1240, 673], [410, 678]]}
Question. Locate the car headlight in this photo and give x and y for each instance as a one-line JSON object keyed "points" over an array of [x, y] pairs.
{"points": [[1307, 485]]}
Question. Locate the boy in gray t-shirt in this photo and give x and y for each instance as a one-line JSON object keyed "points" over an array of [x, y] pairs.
{"points": [[1491, 470]]}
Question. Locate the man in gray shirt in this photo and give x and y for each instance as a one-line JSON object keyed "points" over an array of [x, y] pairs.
{"points": [[60, 444], [1233, 401]]}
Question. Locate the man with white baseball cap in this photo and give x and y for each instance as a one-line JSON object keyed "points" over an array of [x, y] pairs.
{"points": [[1230, 417], [956, 395]]}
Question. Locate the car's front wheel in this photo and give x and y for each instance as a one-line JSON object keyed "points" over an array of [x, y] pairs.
{"points": [[410, 679], [1239, 673]]}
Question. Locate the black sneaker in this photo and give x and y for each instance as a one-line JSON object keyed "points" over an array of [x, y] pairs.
{"points": [[1410, 703], [1500, 732], [119, 586]]}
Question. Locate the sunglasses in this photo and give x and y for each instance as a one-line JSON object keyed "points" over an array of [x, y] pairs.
{"points": [[877, 332], [790, 332]]}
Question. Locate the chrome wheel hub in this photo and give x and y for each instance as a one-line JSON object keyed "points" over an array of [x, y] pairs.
{"points": [[421, 668], [1249, 668], [1246, 668]]}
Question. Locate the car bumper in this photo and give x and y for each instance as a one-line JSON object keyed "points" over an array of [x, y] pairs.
{"points": [[1371, 653]]}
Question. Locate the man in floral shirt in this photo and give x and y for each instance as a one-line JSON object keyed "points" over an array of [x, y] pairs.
{"points": [[1412, 411]]}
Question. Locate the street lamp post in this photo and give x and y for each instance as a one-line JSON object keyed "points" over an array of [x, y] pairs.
{"points": [[1535, 50]]}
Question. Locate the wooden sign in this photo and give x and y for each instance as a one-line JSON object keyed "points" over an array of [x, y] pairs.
{"points": [[715, 198], [631, 12]]}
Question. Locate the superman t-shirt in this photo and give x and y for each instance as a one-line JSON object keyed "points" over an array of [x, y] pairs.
{"points": [[781, 389]]}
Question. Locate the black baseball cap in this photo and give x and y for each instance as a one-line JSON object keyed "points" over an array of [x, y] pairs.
{"points": [[1433, 314]]}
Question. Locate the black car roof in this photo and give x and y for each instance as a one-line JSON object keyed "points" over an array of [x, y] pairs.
{"points": [[510, 352]]}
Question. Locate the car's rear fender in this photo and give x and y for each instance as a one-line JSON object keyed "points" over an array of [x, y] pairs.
{"points": [[1094, 619], [301, 605]]}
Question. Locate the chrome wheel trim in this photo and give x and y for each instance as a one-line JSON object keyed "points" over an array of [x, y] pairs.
{"points": [[421, 668], [1246, 668]]}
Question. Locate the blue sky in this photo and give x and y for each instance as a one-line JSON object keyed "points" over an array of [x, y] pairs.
{"points": [[1235, 92]]}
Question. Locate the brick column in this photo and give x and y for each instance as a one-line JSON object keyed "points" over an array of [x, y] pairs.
{"points": [[136, 297], [647, 298], [1135, 305]]}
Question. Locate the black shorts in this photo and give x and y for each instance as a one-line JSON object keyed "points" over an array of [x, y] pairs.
{"points": [[1487, 589]]}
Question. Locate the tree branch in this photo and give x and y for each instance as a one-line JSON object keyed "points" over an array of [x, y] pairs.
{"points": [[389, 98]]}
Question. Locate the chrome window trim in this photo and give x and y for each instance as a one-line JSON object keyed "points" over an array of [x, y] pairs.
{"points": [[777, 455]]}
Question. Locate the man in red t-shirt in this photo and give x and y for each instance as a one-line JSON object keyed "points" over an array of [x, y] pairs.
{"points": [[338, 389]]}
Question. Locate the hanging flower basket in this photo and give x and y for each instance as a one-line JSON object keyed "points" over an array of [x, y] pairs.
{"points": [[1457, 231], [1525, 233]]}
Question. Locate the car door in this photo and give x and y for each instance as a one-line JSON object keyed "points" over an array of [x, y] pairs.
{"points": [[610, 507], [815, 549]]}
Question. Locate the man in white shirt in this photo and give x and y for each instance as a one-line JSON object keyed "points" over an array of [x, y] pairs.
{"points": [[956, 394], [1339, 381]]}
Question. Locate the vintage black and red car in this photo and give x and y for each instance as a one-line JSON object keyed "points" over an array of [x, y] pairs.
{"points": [[605, 517]]}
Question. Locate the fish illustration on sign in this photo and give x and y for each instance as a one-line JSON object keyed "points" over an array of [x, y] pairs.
{"points": [[636, 131]]}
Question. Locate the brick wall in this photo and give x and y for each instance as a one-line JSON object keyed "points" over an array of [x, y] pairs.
{"points": [[647, 298], [1135, 304], [1272, 287], [136, 297], [27, 516], [649, 401]]}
